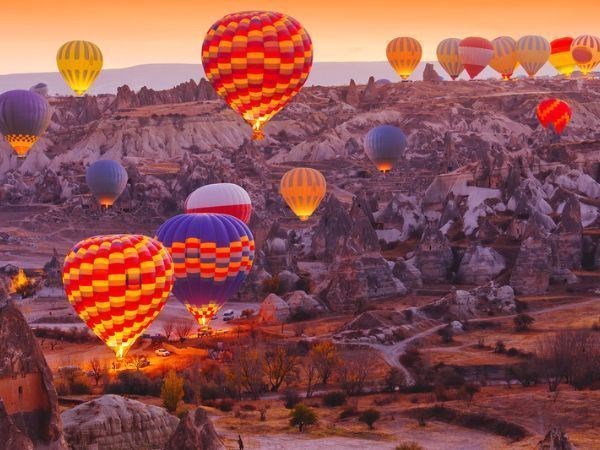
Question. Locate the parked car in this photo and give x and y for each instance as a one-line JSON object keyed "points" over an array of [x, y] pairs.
{"points": [[228, 315], [162, 352]]}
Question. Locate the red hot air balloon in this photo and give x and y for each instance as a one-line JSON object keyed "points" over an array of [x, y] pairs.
{"points": [[257, 61], [554, 113], [220, 198], [475, 54]]}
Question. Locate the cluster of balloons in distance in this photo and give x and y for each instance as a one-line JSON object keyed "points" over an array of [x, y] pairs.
{"points": [[503, 54]]}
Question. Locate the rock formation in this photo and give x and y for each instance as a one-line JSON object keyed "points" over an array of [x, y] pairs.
{"points": [[434, 256], [274, 309], [117, 423], [430, 74], [11, 437], [567, 237], [195, 432], [555, 439], [480, 265]]}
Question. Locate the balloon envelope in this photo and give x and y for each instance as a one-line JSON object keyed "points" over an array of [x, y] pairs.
{"points": [[585, 50], [504, 61], [449, 58], [212, 255], [24, 116], [303, 189], [384, 146], [118, 284], [404, 55], [533, 52], [554, 113], [106, 180], [220, 198], [561, 57], [475, 54], [257, 61], [79, 63]]}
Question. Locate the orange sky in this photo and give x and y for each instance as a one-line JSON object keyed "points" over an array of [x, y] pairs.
{"points": [[131, 32]]}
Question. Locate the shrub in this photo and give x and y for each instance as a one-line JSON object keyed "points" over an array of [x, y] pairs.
{"points": [[300, 315], [394, 379], [348, 411], [523, 322], [225, 405], [468, 391], [302, 416], [334, 398], [446, 334], [80, 386], [272, 285], [172, 391], [409, 446], [370, 416], [449, 377], [290, 398], [134, 382], [411, 357], [500, 347], [248, 407]]}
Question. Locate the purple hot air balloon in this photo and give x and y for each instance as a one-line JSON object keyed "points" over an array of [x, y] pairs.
{"points": [[24, 116], [212, 255], [107, 180]]}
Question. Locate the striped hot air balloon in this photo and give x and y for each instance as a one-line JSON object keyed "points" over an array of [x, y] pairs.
{"points": [[79, 63], [504, 61], [303, 189], [404, 55], [554, 113], [384, 146], [118, 284], [24, 116], [449, 58], [533, 52], [585, 50], [475, 54], [212, 255], [561, 57], [220, 198], [106, 180], [257, 61]]}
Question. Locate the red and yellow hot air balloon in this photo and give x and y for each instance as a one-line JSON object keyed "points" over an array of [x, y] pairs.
{"points": [[554, 113], [118, 284], [585, 50], [257, 61], [404, 55], [561, 57], [504, 60], [475, 54], [448, 57]]}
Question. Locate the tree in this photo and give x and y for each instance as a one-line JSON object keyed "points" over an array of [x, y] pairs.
{"points": [[302, 416], [523, 322], [248, 364], [97, 369], [447, 334], [394, 379], [325, 357], [168, 328], [183, 329], [370, 416], [279, 365], [310, 374], [468, 391], [355, 370], [137, 361], [171, 392]]}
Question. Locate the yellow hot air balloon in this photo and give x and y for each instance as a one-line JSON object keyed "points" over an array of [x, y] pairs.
{"points": [[586, 52], [303, 189], [504, 60], [449, 58], [79, 62], [533, 52], [404, 54], [561, 57]]}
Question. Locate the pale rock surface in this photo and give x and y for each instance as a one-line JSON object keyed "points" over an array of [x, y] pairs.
{"points": [[274, 309], [480, 265]]}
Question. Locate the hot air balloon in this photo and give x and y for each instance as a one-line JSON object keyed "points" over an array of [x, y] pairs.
{"points": [[475, 53], [257, 61], [585, 50], [107, 180], [404, 55], [384, 146], [504, 61], [303, 189], [554, 113], [533, 52], [79, 63], [24, 116], [561, 57], [212, 255], [448, 57], [220, 198], [118, 284]]}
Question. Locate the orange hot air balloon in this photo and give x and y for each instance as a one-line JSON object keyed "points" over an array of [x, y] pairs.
{"points": [[586, 52], [504, 60], [404, 55], [118, 284], [303, 189], [554, 113], [448, 57], [257, 61], [533, 52], [561, 57]]}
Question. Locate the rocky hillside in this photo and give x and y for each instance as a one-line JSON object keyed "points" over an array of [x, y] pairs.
{"points": [[483, 193]]}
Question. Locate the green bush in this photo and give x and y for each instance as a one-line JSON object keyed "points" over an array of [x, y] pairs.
{"points": [[302, 416], [349, 411], [334, 398], [370, 416]]}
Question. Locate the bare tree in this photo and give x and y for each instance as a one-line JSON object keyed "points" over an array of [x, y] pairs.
{"points": [[137, 361], [248, 367], [279, 365], [168, 328], [310, 373], [97, 369], [355, 370], [183, 329], [325, 358]]}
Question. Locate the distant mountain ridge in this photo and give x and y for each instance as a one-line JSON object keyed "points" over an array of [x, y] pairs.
{"points": [[165, 76]]}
